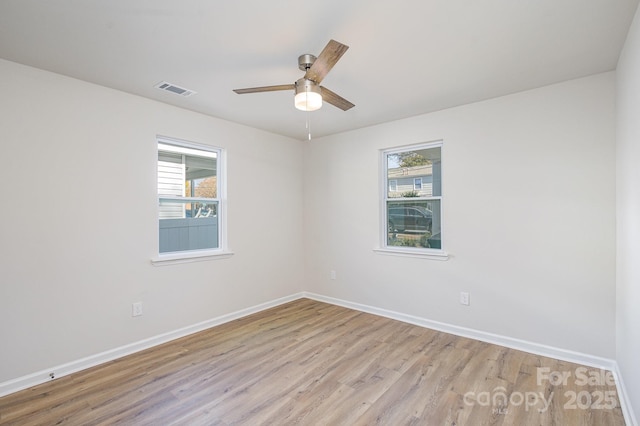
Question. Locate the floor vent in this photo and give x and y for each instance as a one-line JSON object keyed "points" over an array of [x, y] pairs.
{"points": [[163, 85]]}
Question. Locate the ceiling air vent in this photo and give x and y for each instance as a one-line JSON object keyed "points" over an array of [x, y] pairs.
{"points": [[163, 85]]}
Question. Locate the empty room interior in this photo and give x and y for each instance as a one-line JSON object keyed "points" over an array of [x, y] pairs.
{"points": [[413, 212]]}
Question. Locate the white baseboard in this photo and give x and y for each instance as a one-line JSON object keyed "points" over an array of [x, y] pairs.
{"points": [[43, 376], [625, 403], [509, 342]]}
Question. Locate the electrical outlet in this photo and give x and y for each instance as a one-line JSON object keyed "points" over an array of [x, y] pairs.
{"points": [[464, 298], [333, 274], [136, 309]]}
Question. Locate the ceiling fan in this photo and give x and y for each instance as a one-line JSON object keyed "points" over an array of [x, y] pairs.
{"points": [[308, 92]]}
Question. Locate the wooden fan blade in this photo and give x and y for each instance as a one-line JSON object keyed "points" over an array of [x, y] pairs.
{"points": [[335, 100], [325, 61], [265, 89]]}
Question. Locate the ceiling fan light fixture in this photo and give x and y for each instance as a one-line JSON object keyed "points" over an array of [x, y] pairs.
{"points": [[308, 95]]}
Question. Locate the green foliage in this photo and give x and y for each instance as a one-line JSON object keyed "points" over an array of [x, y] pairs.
{"points": [[411, 159], [403, 242], [410, 194], [409, 241]]}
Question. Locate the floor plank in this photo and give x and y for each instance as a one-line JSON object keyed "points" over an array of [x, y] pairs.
{"points": [[311, 363]]}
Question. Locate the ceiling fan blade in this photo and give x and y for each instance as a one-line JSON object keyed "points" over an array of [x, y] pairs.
{"points": [[265, 89], [335, 99], [325, 61]]}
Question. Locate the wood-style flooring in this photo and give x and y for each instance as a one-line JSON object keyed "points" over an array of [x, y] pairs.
{"points": [[311, 363]]}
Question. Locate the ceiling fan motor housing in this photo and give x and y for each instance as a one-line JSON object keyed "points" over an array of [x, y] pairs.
{"points": [[306, 85]]}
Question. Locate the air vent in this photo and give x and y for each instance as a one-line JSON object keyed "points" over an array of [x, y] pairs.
{"points": [[163, 85]]}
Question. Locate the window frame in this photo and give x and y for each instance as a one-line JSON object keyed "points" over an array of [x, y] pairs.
{"points": [[222, 251], [419, 252]]}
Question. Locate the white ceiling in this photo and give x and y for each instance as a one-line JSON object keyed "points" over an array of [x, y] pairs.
{"points": [[406, 57]]}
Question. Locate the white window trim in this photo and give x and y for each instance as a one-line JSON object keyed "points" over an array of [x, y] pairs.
{"points": [[190, 256], [383, 248], [423, 253], [223, 251], [395, 186]]}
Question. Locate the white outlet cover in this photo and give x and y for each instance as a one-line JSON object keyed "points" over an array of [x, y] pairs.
{"points": [[136, 309]]}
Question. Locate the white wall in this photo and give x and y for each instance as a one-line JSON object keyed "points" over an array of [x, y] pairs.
{"points": [[78, 222], [628, 210], [529, 217]]}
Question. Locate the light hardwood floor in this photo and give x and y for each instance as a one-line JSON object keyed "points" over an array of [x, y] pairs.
{"points": [[312, 363]]}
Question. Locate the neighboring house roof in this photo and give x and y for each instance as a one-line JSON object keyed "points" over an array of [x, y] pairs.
{"points": [[400, 172]]}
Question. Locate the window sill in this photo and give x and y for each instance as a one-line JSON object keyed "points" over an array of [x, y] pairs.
{"points": [[422, 254], [191, 256]]}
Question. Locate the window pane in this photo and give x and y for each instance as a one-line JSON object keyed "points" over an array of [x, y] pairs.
{"points": [[417, 173], [183, 174], [414, 223], [188, 225]]}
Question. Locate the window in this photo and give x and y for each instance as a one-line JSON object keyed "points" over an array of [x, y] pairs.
{"points": [[189, 197], [417, 184], [412, 204]]}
